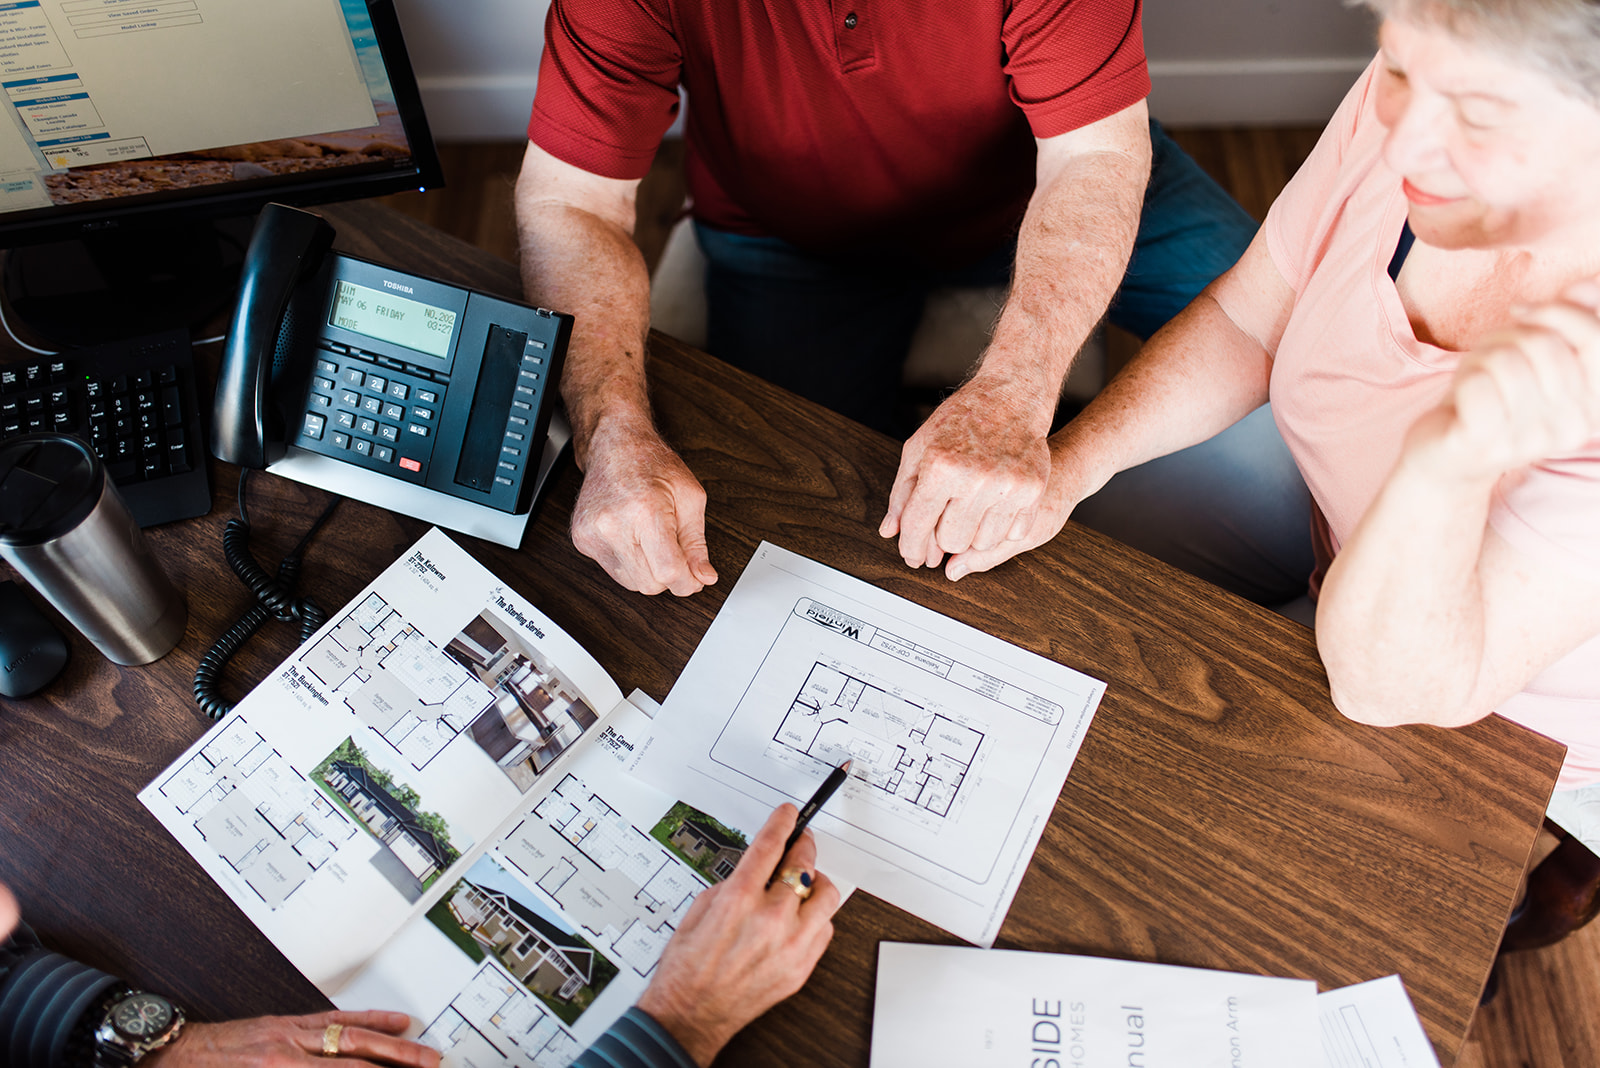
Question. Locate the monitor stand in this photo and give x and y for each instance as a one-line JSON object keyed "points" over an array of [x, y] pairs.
{"points": [[125, 283]]}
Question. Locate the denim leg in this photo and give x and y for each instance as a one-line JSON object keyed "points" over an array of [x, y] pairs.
{"points": [[1190, 231], [1232, 510], [833, 332]]}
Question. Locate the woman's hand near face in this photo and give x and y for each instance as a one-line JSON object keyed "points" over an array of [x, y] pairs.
{"points": [[1428, 615], [744, 946], [1526, 392]]}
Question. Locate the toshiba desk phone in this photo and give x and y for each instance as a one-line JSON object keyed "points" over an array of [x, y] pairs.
{"points": [[416, 395]]}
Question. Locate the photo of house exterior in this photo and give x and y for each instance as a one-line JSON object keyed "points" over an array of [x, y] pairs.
{"points": [[494, 917], [711, 850], [537, 712], [546, 960], [417, 848]]}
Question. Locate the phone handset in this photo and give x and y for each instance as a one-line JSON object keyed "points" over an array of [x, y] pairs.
{"points": [[248, 421]]}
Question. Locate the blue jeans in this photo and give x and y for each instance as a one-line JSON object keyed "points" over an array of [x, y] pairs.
{"points": [[1232, 510]]}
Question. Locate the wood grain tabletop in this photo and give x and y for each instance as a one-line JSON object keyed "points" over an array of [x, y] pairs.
{"points": [[1221, 813]]}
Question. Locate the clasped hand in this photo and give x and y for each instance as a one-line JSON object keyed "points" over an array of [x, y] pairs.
{"points": [[971, 478], [1526, 392]]}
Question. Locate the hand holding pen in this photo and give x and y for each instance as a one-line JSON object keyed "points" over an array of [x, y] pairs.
{"points": [[835, 779]]}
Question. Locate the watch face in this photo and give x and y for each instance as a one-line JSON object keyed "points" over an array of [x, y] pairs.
{"points": [[141, 1015]]}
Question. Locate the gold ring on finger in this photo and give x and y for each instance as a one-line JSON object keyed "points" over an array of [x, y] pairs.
{"points": [[330, 1039], [797, 879]]}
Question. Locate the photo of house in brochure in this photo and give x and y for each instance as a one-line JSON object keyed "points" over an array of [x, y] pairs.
{"points": [[489, 913], [417, 845], [709, 847], [537, 713]]}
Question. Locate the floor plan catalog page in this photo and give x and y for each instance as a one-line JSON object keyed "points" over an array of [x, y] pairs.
{"points": [[959, 742], [428, 808]]}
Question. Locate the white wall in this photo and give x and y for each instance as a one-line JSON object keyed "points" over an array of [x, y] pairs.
{"points": [[477, 62], [1213, 62], [1253, 62]]}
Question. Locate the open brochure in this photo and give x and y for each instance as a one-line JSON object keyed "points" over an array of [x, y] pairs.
{"points": [[439, 803], [429, 808]]}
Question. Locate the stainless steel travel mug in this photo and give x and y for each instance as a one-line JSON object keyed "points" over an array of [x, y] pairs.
{"points": [[67, 533]]}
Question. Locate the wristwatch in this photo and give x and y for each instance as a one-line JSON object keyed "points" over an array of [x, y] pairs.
{"points": [[135, 1022]]}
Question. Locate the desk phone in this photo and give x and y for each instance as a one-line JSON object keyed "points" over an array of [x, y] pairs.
{"points": [[414, 394]]}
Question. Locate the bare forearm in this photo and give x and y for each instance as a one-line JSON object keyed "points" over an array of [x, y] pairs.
{"points": [[587, 265], [1400, 620], [1196, 377], [1072, 251]]}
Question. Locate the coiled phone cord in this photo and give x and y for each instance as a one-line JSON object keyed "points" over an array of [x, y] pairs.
{"points": [[274, 599]]}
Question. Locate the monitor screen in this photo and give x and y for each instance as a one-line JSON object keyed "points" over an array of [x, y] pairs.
{"points": [[121, 111]]}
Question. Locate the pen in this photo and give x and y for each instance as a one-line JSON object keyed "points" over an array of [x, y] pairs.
{"points": [[835, 778]]}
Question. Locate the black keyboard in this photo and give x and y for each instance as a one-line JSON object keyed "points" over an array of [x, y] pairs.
{"points": [[134, 402]]}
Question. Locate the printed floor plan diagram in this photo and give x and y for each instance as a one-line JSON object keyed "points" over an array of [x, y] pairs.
{"points": [[495, 1021], [396, 681], [260, 815], [905, 751], [619, 884]]}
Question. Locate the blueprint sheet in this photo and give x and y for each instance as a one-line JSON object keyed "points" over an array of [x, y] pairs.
{"points": [[960, 742]]}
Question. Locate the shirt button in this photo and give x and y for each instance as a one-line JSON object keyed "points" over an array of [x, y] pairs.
{"points": [[850, 21]]}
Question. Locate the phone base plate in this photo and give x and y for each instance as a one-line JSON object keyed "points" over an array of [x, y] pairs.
{"points": [[452, 513]]}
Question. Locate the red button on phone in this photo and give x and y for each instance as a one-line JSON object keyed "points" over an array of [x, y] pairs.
{"points": [[410, 464]]}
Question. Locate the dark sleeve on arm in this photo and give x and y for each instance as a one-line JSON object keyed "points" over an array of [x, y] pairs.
{"points": [[43, 997], [635, 1041]]}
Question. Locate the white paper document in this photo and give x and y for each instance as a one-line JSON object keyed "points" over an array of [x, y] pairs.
{"points": [[429, 808], [1373, 1025], [972, 1008], [960, 742]]}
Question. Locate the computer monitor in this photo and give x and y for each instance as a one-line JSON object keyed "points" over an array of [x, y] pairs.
{"points": [[140, 137]]}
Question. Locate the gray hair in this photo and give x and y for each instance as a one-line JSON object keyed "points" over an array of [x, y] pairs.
{"points": [[1559, 38]]}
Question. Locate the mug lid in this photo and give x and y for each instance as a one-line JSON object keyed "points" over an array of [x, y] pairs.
{"points": [[49, 483]]}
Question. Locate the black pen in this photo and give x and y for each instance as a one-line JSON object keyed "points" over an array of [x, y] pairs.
{"points": [[835, 779]]}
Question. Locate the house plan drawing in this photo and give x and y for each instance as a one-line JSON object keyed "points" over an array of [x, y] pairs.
{"points": [[914, 757], [396, 681], [260, 815], [624, 888], [959, 742], [495, 1021]]}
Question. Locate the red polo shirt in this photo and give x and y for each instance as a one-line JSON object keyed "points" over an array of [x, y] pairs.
{"points": [[839, 125]]}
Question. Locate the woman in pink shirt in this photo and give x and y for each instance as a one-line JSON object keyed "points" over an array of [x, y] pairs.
{"points": [[1441, 398]]}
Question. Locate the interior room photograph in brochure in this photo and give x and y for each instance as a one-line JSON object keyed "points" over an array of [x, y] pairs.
{"points": [[537, 712]]}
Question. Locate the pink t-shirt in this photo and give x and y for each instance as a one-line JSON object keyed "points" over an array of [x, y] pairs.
{"points": [[1350, 378]]}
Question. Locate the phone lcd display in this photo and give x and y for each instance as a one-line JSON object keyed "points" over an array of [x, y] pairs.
{"points": [[394, 319]]}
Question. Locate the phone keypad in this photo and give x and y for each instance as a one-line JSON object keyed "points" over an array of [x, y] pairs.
{"points": [[383, 415], [378, 417]]}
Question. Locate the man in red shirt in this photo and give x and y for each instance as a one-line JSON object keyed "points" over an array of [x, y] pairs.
{"points": [[844, 157]]}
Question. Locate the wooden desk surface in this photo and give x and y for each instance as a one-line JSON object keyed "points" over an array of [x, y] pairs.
{"points": [[1220, 814]]}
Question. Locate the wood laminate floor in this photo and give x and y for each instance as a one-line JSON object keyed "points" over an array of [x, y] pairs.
{"points": [[1547, 1012]]}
